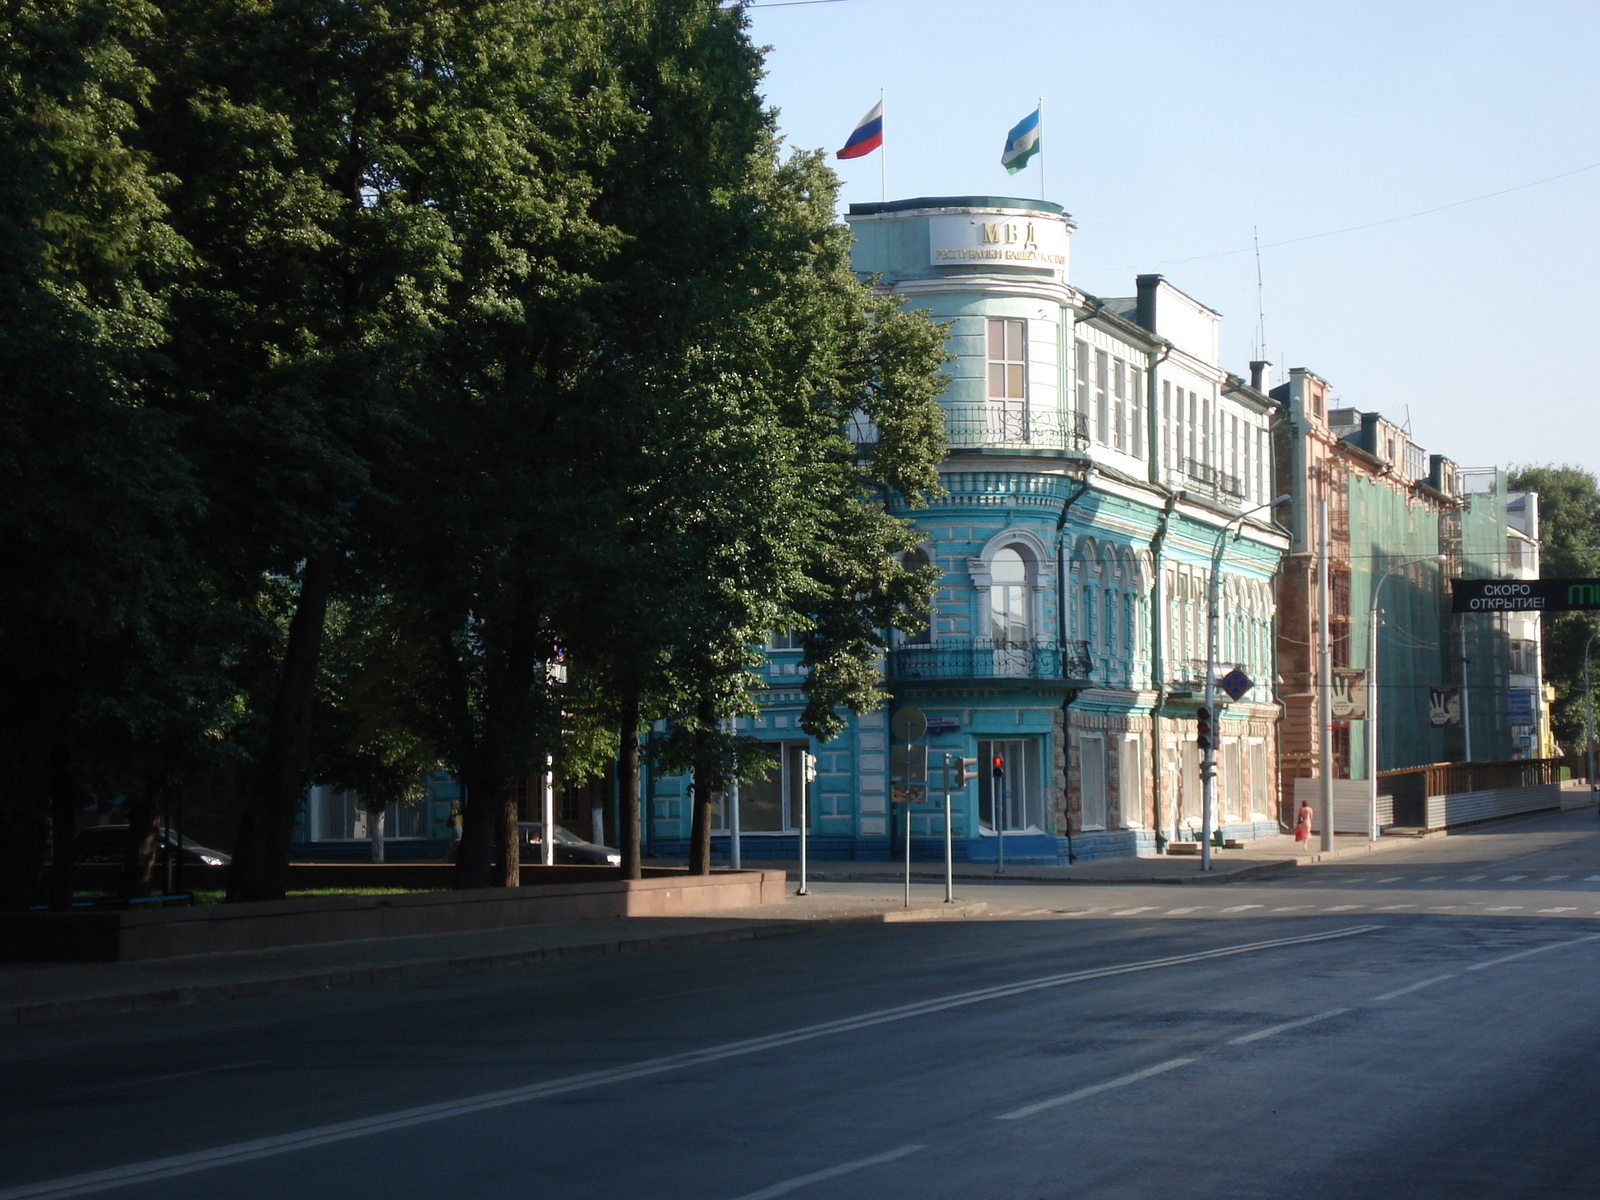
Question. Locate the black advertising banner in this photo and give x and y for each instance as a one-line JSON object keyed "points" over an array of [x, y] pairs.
{"points": [[1524, 595]]}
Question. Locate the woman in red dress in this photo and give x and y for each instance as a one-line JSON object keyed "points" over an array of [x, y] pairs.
{"points": [[1302, 824]]}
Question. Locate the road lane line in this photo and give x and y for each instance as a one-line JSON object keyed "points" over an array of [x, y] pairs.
{"points": [[1345, 907], [1504, 907], [1095, 1089], [1415, 987], [105, 1087], [1495, 962], [1290, 907], [1591, 878], [1173, 912], [1431, 879], [1391, 879], [1273, 1030], [1242, 907], [1572, 908], [800, 1181], [322, 1135], [1128, 912], [1471, 878], [1512, 878], [1553, 878]]}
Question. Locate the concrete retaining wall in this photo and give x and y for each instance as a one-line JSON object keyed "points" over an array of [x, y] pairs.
{"points": [[130, 935]]}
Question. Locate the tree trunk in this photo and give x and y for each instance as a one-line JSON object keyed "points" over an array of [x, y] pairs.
{"points": [[375, 833], [475, 856], [705, 787], [260, 869], [63, 827], [144, 824], [507, 843], [628, 787]]}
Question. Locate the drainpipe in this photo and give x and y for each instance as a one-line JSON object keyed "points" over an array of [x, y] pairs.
{"points": [[1158, 447], [1061, 625], [1158, 660]]}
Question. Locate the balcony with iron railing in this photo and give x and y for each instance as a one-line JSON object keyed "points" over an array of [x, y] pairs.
{"points": [[1211, 479], [980, 659], [1016, 429]]}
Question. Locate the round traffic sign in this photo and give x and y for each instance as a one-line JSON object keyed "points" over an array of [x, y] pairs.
{"points": [[909, 725]]}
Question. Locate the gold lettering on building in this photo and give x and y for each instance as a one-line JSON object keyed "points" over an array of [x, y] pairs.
{"points": [[991, 233]]}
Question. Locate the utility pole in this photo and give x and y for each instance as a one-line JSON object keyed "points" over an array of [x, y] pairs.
{"points": [[1324, 680], [808, 772]]}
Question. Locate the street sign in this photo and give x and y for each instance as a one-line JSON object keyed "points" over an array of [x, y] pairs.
{"points": [[908, 764], [1519, 706], [943, 725], [1524, 595], [909, 725], [1349, 702], [1236, 683]]}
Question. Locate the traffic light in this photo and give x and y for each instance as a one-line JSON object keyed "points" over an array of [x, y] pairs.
{"points": [[966, 771], [997, 766], [1202, 728], [810, 765]]}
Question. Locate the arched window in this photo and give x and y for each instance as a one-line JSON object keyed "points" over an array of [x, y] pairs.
{"points": [[1008, 598]]}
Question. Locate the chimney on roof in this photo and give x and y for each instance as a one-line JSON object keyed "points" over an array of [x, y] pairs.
{"points": [[1145, 310], [1258, 375]]}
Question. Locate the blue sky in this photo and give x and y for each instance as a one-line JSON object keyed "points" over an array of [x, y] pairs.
{"points": [[1173, 129]]}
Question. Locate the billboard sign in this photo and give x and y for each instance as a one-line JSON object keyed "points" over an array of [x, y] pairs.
{"points": [[1524, 595]]}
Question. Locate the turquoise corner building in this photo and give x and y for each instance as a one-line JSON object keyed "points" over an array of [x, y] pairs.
{"points": [[1099, 455]]}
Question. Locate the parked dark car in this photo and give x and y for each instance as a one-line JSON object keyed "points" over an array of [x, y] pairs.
{"points": [[570, 848], [109, 844]]}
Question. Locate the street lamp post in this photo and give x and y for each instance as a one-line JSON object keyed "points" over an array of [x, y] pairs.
{"points": [[1372, 688], [1208, 761], [1588, 716]]}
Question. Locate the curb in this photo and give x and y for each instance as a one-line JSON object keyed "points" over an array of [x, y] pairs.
{"points": [[1226, 875], [426, 968]]}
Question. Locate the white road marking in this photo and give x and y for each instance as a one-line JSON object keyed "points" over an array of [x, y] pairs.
{"points": [[1495, 962], [1471, 878], [1504, 908], [1083, 1093], [427, 1114], [1443, 907], [104, 1087], [1553, 878], [1078, 912], [1512, 878], [1173, 912], [1345, 907], [1392, 907], [1431, 879], [1591, 878], [1415, 987], [1290, 907], [1556, 910], [800, 1181], [1273, 1030], [1128, 912], [1391, 879], [1242, 907]]}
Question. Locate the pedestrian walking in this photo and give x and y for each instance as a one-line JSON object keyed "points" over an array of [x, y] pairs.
{"points": [[1302, 824]]}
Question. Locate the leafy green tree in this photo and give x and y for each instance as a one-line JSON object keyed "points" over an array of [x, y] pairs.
{"points": [[1569, 548], [93, 497]]}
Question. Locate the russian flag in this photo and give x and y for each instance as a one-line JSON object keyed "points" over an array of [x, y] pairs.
{"points": [[867, 135]]}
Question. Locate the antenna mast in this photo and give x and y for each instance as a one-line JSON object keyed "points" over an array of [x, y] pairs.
{"points": [[1261, 299]]}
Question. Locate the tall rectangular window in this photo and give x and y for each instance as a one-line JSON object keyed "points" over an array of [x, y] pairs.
{"points": [[1092, 780], [1119, 414], [1130, 781], [1194, 426], [1249, 463], [1205, 433], [1136, 412], [1008, 380], [1166, 424], [1102, 414], [1083, 379]]}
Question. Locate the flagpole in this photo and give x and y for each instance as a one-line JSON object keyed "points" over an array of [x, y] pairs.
{"points": [[883, 154], [1043, 193]]}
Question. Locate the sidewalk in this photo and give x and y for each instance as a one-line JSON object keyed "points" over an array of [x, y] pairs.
{"points": [[1264, 856], [34, 992]]}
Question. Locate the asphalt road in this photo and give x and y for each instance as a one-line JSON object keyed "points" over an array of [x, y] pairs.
{"points": [[1420, 1023]]}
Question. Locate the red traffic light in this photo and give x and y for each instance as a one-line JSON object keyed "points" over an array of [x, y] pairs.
{"points": [[1202, 728], [998, 765]]}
